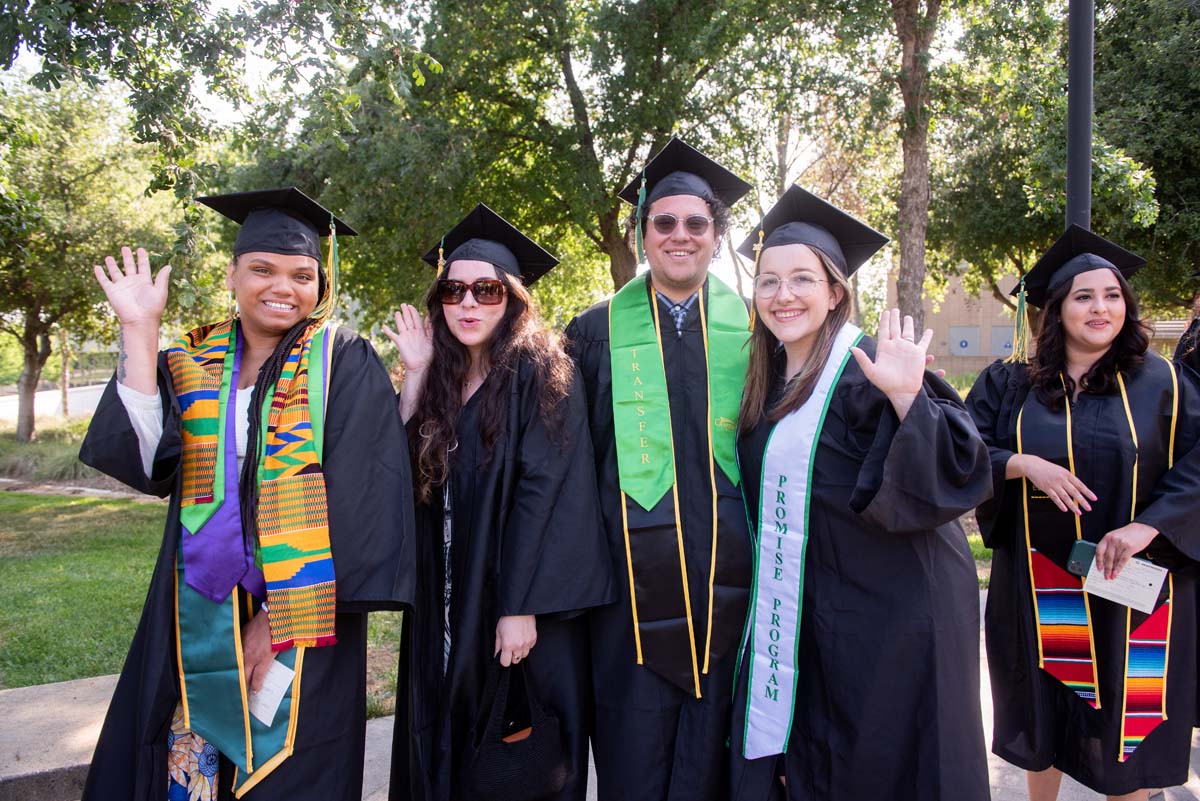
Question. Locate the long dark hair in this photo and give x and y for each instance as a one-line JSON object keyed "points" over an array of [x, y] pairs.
{"points": [[1049, 361], [520, 336], [764, 355]]}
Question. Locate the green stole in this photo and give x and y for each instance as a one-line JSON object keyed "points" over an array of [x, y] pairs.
{"points": [[662, 608]]}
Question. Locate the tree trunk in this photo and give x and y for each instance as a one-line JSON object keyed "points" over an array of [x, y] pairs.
{"points": [[64, 375], [915, 31], [35, 347], [622, 263]]}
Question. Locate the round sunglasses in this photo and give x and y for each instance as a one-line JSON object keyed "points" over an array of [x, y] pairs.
{"points": [[486, 291], [695, 224]]}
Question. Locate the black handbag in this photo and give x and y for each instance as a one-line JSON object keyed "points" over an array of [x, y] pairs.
{"points": [[494, 769]]}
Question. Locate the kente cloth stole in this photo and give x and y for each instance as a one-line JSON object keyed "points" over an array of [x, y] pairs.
{"points": [[773, 627], [1062, 610], [646, 449], [292, 515]]}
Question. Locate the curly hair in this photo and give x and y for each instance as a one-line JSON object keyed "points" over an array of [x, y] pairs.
{"points": [[1049, 362], [520, 337]]}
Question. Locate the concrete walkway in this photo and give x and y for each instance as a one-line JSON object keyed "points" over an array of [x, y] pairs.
{"points": [[47, 734]]}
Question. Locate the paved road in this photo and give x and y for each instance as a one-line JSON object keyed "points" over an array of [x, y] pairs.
{"points": [[82, 401]]}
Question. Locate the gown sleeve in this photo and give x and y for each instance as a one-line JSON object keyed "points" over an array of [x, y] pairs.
{"points": [[990, 403], [554, 552], [112, 445], [368, 483], [924, 471], [1175, 502]]}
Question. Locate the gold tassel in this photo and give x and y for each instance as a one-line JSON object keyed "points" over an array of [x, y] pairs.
{"points": [[753, 296], [328, 302], [1020, 345], [441, 256]]}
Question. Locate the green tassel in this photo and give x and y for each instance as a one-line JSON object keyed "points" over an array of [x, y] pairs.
{"points": [[1020, 348], [441, 256], [641, 254]]}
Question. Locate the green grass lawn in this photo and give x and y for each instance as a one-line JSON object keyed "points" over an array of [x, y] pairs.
{"points": [[73, 576]]}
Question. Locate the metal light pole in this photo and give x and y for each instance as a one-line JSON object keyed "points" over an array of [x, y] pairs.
{"points": [[1081, 30]]}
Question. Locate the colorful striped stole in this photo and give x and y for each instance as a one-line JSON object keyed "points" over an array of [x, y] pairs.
{"points": [[1064, 630], [292, 514]]}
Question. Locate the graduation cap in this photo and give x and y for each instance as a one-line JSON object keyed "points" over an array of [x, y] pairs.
{"points": [[483, 235], [1077, 251], [288, 222], [284, 221], [802, 218], [680, 169]]}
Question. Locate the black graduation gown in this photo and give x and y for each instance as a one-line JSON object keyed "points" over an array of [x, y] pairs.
{"points": [[653, 740], [887, 703], [1187, 352], [526, 540], [1039, 722], [369, 490], [1188, 349]]}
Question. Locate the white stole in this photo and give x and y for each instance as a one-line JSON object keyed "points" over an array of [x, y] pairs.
{"points": [[774, 628]]}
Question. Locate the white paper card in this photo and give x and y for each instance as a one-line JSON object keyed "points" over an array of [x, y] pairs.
{"points": [[265, 703], [1136, 586]]}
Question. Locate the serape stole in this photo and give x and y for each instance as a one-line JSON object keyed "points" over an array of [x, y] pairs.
{"points": [[1062, 609], [292, 515]]}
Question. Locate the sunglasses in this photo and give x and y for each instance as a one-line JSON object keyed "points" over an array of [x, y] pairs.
{"points": [[486, 291], [665, 223]]}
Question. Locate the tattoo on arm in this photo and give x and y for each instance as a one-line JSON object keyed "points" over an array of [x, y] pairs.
{"points": [[121, 357]]}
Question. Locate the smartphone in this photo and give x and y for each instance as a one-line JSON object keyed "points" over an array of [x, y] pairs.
{"points": [[1079, 562]]}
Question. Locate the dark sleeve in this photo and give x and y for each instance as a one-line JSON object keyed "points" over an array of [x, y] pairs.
{"points": [[111, 444], [1175, 503], [989, 403], [368, 482], [1188, 349], [925, 471], [554, 552]]}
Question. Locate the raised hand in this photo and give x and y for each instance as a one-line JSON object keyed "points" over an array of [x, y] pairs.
{"points": [[413, 338], [136, 297], [899, 366]]}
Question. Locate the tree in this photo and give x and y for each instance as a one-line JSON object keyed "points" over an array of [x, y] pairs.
{"points": [[71, 190], [1000, 174], [543, 110], [170, 54], [1148, 104]]}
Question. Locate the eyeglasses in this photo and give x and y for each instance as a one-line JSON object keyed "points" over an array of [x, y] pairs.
{"points": [[802, 286], [695, 224], [486, 291]]}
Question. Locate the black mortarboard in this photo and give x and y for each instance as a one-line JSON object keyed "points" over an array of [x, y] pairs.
{"points": [[802, 218], [484, 235], [1077, 251], [680, 169], [284, 221]]}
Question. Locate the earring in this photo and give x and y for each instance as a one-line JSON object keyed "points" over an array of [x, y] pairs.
{"points": [[233, 307]]}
